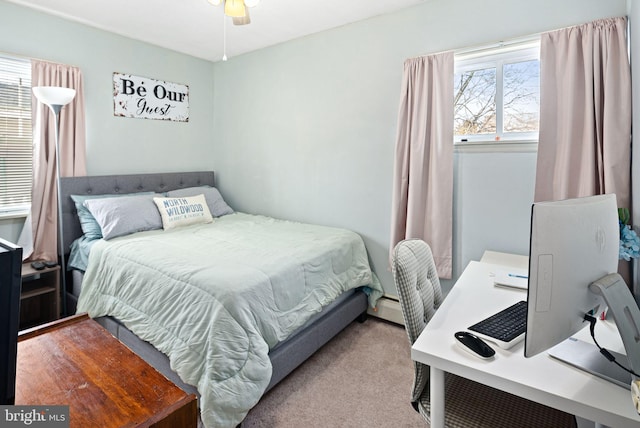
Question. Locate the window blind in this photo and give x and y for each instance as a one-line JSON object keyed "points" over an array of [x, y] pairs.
{"points": [[16, 134]]}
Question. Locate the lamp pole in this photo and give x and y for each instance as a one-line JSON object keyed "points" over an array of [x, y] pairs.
{"points": [[55, 98]]}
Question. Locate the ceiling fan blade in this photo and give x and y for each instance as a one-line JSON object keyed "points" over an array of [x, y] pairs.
{"points": [[243, 20]]}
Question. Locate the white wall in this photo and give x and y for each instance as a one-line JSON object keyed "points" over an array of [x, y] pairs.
{"points": [[305, 130], [493, 194], [117, 144]]}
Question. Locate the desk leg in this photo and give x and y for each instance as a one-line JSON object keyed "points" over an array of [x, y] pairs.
{"points": [[436, 385]]}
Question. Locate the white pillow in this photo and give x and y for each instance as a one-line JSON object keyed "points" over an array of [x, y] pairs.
{"points": [[176, 212]]}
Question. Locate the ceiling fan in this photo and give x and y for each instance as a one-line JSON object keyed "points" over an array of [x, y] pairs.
{"points": [[237, 9]]}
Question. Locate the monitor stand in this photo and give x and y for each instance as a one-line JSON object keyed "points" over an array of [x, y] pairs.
{"points": [[625, 312], [586, 356]]}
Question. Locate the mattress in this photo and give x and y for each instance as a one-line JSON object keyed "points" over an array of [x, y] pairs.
{"points": [[217, 297]]}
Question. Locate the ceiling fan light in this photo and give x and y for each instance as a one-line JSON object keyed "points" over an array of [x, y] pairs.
{"points": [[234, 8], [251, 3]]}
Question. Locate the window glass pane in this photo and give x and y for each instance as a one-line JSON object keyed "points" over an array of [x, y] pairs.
{"points": [[521, 83], [474, 102]]}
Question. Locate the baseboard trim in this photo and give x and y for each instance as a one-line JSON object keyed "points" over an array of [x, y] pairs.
{"points": [[388, 308]]}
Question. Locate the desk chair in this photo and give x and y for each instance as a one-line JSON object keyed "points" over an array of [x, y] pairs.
{"points": [[468, 403]]}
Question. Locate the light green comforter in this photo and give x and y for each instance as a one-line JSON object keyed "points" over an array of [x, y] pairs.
{"points": [[216, 297]]}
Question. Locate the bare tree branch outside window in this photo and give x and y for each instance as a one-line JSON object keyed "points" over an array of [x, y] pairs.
{"points": [[475, 102], [521, 96], [475, 111]]}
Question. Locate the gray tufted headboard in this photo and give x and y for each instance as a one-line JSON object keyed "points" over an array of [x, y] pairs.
{"points": [[109, 184]]}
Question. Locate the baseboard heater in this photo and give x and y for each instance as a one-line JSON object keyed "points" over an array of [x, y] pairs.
{"points": [[388, 309]]}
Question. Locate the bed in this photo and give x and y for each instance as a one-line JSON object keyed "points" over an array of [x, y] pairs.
{"points": [[134, 284]]}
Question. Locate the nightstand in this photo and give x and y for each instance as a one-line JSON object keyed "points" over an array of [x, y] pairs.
{"points": [[40, 296]]}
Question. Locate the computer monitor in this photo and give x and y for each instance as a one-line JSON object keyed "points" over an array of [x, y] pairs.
{"points": [[573, 250], [10, 285]]}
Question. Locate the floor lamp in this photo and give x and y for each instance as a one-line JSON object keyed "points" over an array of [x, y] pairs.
{"points": [[55, 98]]}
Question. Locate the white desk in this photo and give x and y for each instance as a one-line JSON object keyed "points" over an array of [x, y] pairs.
{"points": [[540, 378]]}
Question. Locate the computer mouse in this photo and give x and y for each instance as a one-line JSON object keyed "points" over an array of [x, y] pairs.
{"points": [[474, 345]]}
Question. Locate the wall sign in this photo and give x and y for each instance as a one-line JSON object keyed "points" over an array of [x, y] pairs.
{"points": [[141, 97]]}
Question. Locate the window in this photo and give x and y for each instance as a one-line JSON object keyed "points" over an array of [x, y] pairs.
{"points": [[16, 146], [497, 94]]}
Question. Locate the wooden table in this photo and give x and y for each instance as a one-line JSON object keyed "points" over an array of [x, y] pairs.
{"points": [[76, 362]]}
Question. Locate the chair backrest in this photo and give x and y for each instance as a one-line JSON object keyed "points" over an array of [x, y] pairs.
{"points": [[418, 285]]}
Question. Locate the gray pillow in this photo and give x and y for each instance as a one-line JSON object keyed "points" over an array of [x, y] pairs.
{"points": [[217, 206], [88, 223], [126, 215]]}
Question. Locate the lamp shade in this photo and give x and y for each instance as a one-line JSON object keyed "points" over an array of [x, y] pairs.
{"points": [[215, 2], [251, 3], [54, 95]]}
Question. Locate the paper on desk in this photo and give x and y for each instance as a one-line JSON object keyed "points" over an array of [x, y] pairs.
{"points": [[513, 278]]}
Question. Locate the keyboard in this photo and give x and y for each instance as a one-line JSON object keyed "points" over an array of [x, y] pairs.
{"points": [[505, 328]]}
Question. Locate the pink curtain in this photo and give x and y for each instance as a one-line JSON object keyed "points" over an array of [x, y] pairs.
{"points": [[44, 208], [422, 204], [585, 113]]}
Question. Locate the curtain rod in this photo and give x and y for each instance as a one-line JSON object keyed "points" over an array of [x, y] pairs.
{"points": [[486, 46], [501, 44], [514, 41]]}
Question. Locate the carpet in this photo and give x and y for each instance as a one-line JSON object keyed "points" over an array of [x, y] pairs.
{"points": [[361, 378]]}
